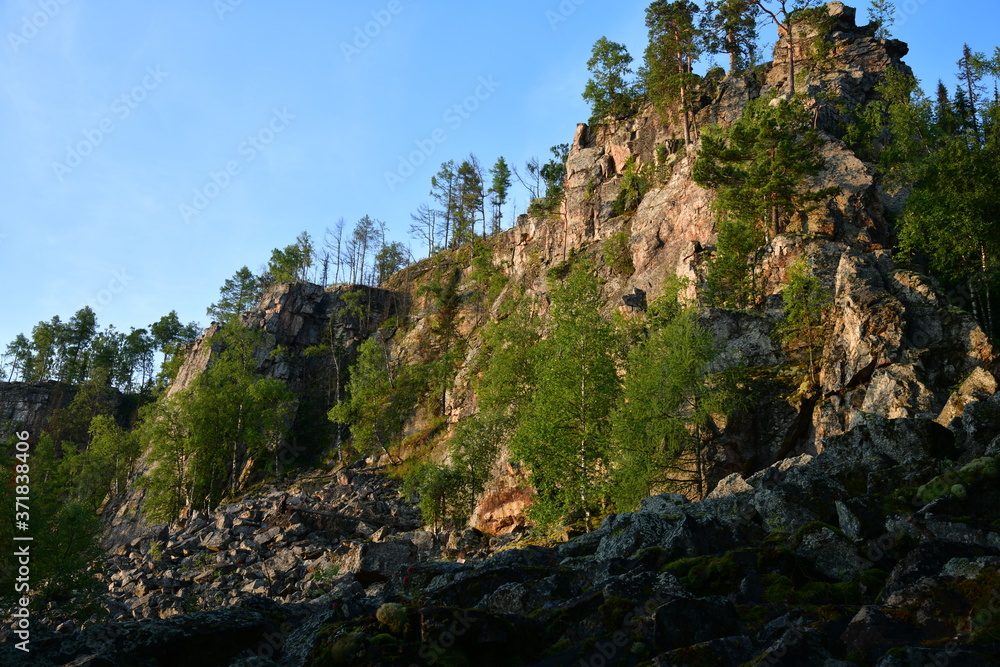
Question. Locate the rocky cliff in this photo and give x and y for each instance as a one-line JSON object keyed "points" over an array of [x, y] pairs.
{"points": [[898, 346], [851, 519], [296, 318], [27, 406]]}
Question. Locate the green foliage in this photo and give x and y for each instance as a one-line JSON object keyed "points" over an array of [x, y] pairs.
{"points": [[759, 167], [673, 47], [292, 263], [70, 426], [489, 278], [617, 253], [372, 409], [957, 481], [507, 379], [891, 128], [77, 351], [784, 15], [610, 90], [634, 185], [564, 433], [730, 26], [553, 173], [238, 294], [805, 299], [732, 280], [205, 438], [469, 196], [355, 305], [66, 556], [444, 189], [107, 465], [668, 398], [326, 574], [945, 153], [474, 451], [499, 190], [440, 491], [390, 258], [820, 49], [881, 13], [951, 216], [171, 336], [560, 270]]}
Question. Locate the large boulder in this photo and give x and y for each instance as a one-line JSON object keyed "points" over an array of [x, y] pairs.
{"points": [[372, 562], [678, 536], [684, 622]]}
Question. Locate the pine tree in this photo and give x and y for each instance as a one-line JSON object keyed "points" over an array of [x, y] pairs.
{"points": [[19, 353], [610, 90], [499, 191], [390, 258], [881, 12], [139, 351], [782, 14], [760, 166], [170, 335], [238, 294], [77, 336], [469, 201], [444, 189], [46, 341], [292, 263], [673, 47], [730, 27], [947, 154], [805, 299]]}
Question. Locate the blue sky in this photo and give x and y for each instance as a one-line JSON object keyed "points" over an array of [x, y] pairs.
{"points": [[267, 119]]}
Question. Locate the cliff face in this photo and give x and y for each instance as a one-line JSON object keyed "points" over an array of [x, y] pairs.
{"points": [[853, 516], [896, 345], [27, 406], [295, 317]]}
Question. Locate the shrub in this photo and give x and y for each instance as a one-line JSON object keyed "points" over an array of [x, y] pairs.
{"points": [[617, 253]]}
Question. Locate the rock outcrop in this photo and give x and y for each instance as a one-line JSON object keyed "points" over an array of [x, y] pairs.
{"points": [[295, 317], [27, 406], [852, 515], [897, 346]]}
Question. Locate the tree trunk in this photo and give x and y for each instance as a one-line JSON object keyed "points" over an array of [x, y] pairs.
{"points": [[732, 52], [972, 300], [684, 116], [791, 59]]}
